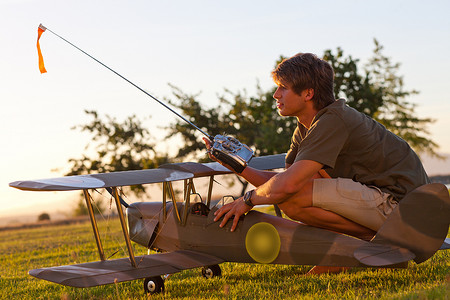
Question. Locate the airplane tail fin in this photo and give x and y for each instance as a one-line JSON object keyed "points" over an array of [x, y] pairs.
{"points": [[419, 223]]}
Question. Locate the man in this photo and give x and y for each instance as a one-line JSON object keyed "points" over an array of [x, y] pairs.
{"points": [[344, 171]]}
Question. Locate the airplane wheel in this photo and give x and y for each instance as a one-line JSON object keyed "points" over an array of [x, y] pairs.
{"points": [[211, 271], [153, 285]]}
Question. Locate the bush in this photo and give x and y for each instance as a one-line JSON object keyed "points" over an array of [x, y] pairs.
{"points": [[44, 217]]}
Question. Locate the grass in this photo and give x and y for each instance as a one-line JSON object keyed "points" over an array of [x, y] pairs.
{"points": [[25, 249]]}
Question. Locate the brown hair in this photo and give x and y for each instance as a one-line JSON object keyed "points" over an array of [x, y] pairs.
{"points": [[307, 71]]}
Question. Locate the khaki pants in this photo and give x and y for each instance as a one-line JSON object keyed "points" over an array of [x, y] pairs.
{"points": [[365, 205]]}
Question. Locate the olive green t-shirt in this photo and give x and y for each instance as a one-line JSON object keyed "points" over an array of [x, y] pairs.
{"points": [[352, 145]]}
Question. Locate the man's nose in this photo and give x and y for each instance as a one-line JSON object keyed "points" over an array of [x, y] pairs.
{"points": [[276, 95]]}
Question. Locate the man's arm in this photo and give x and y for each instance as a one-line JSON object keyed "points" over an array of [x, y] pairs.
{"points": [[275, 190], [257, 177], [287, 183]]}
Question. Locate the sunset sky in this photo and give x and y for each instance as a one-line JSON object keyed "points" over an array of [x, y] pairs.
{"points": [[198, 46]]}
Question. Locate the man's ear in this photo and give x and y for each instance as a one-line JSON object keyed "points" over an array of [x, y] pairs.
{"points": [[309, 94]]}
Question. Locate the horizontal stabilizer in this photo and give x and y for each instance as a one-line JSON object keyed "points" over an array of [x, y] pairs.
{"points": [[377, 255], [445, 244], [419, 223], [119, 270]]}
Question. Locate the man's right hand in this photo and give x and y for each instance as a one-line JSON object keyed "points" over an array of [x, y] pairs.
{"points": [[234, 209], [208, 146]]}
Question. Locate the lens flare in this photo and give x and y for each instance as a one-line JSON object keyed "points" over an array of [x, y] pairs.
{"points": [[263, 242]]}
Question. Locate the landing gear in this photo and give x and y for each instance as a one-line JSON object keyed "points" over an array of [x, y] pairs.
{"points": [[153, 285], [211, 271]]}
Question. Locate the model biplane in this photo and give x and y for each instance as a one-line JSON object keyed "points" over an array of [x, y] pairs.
{"points": [[186, 236]]}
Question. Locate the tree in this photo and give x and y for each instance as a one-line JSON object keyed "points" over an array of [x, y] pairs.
{"points": [[44, 217], [379, 93], [117, 147], [354, 87], [396, 113], [212, 120], [252, 120], [81, 209]]}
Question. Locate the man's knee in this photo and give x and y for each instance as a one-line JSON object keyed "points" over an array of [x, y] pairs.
{"points": [[366, 205], [296, 206]]}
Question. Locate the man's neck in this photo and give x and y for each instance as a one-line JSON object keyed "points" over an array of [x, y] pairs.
{"points": [[306, 118]]}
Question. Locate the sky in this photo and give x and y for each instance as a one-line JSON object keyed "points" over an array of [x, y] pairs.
{"points": [[199, 46]]}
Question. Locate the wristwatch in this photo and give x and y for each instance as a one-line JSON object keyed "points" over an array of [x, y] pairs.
{"points": [[248, 198]]}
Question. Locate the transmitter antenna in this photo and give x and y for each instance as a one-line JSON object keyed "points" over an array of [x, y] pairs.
{"points": [[211, 138]]}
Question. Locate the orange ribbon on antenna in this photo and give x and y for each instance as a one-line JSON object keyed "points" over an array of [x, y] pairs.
{"points": [[41, 30]]}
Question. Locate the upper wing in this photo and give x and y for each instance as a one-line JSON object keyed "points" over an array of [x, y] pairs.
{"points": [[267, 162], [119, 270], [169, 172], [102, 180]]}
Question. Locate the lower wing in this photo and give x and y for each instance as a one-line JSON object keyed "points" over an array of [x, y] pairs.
{"points": [[119, 270]]}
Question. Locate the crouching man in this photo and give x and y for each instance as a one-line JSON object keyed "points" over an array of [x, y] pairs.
{"points": [[344, 172]]}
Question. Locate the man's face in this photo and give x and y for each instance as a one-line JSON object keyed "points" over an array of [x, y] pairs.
{"points": [[289, 104]]}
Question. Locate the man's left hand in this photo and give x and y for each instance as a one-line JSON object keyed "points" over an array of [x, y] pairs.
{"points": [[236, 209]]}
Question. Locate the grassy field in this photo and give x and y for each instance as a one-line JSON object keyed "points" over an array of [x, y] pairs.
{"points": [[25, 249]]}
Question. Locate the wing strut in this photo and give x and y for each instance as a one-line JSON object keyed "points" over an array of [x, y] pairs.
{"points": [[210, 188], [124, 226], [88, 198], [164, 196], [174, 200], [121, 200], [188, 189]]}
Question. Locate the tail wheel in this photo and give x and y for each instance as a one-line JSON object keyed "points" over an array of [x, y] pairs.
{"points": [[153, 285], [211, 271]]}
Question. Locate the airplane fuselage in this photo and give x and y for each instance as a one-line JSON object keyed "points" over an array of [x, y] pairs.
{"points": [[259, 237]]}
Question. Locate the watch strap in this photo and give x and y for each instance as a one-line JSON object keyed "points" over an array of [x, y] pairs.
{"points": [[248, 198]]}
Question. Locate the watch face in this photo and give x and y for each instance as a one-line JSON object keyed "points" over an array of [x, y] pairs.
{"points": [[247, 199]]}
